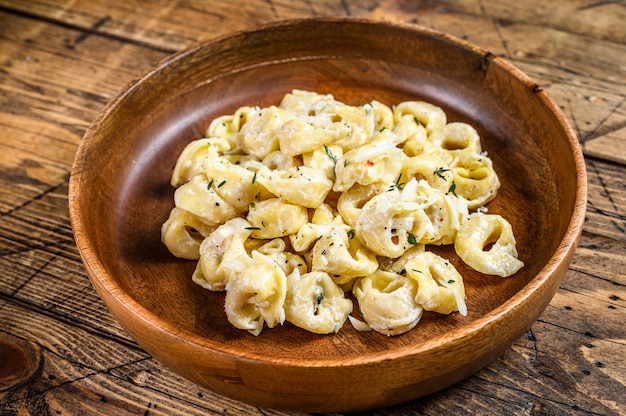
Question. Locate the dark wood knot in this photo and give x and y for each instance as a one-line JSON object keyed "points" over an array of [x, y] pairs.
{"points": [[19, 361]]}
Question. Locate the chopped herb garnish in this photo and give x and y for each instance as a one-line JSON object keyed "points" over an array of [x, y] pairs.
{"points": [[402, 272], [330, 153], [252, 205], [320, 297], [440, 171], [411, 239], [451, 281], [452, 189], [417, 121], [398, 185], [383, 129], [208, 187], [252, 228], [351, 234], [221, 184], [417, 271], [254, 178], [331, 156]]}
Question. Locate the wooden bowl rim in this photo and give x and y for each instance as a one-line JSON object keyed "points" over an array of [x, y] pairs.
{"points": [[100, 278]]}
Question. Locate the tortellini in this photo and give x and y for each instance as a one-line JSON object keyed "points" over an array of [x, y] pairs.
{"points": [[302, 210], [256, 295], [387, 302], [315, 302], [479, 232]]}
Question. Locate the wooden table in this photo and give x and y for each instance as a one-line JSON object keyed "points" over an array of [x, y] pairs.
{"points": [[61, 352]]}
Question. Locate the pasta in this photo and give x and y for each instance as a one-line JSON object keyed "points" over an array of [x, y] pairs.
{"points": [[315, 303], [297, 209]]}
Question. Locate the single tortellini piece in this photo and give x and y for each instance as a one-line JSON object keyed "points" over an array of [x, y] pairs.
{"points": [[351, 201], [445, 211], [387, 302], [199, 197], [274, 218], [222, 127], [257, 136], [256, 295], [301, 186], [368, 164], [191, 160], [429, 168], [432, 117], [234, 183], [455, 140], [440, 286], [357, 119], [475, 179], [182, 233], [315, 303], [342, 257], [486, 243], [223, 254], [389, 226], [226, 126]]}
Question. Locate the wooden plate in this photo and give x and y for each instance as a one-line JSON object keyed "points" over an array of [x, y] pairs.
{"points": [[120, 195]]}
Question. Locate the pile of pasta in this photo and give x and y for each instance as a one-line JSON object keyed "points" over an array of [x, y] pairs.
{"points": [[289, 208]]}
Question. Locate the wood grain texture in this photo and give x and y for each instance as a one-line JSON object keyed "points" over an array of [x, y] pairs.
{"points": [[61, 61]]}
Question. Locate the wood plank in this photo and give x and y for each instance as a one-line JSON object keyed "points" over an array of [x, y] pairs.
{"points": [[109, 378], [39, 131], [171, 26], [610, 147], [169, 23], [606, 207]]}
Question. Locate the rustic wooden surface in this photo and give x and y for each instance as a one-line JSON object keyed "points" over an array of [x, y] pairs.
{"points": [[61, 352]]}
